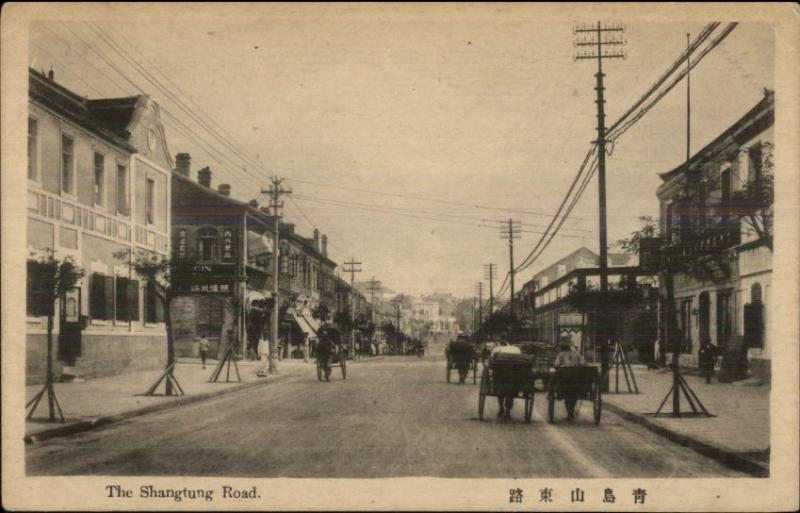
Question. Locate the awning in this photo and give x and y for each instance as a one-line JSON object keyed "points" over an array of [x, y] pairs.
{"points": [[252, 297], [306, 326], [258, 244]]}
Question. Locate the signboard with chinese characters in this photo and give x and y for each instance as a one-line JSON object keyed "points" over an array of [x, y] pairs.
{"points": [[181, 249], [228, 252]]}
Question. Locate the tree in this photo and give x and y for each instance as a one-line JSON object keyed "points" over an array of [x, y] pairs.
{"points": [[50, 280], [753, 203], [158, 272]]}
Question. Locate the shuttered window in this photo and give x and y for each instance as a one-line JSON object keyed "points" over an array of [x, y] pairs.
{"points": [[127, 304], [101, 297]]}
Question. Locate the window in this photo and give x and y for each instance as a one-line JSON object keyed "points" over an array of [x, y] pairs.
{"points": [[38, 299], [685, 321], [33, 149], [122, 189], [153, 310], [67, 164], [754, 319], [127, 303], [669, 223], [99, 186], [755, 162], [101, 297], [206, 244], [726, 185], [149, 201]]}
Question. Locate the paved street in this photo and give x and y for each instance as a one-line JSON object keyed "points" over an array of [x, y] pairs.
{"points": [[391, 417]]}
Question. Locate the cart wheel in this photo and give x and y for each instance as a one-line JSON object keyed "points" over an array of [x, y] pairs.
{"points": [[448, 370], [482, 395], [597, 403], [528, 407], [551, 407], [319, 372], [343, 361]]}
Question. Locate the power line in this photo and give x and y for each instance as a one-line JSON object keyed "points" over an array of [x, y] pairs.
{"points": [[422, 198]]}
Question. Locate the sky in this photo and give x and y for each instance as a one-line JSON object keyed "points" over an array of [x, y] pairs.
{"points": [[391, 125]]}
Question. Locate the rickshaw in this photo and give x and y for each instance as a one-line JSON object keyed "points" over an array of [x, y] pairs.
{"points": [[508, 372], [582, 383], [461, 352], [338, 357]]}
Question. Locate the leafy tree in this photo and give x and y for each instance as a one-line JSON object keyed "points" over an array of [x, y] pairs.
{"points": [[159, 272], [51, 279]]}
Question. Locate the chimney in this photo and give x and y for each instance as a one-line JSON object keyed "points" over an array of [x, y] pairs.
{"points": [[325, 246], [253, 203], [224, 189], [51, 74], [183, 164], [316, 239], [204, 177]]}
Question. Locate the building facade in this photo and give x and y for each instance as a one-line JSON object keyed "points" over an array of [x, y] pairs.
{"points": [[224, 248], [549, 308], [731, 314], [98, 186]]}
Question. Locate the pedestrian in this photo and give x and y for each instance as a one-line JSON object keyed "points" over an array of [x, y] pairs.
{"points": [[706, 359], [568, 357], [326, 348], [203, 348], [506, 390]]}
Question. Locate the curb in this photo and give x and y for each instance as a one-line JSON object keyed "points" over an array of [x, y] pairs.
{"points": [[727, 458], [102, 421]]}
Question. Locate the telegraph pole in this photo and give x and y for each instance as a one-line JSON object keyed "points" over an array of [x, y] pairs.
{"points": [[595, 44], [511, 231], [352, 268], [374, 286], [489, 272], [480, 305], [688, 101], [275, 192]]}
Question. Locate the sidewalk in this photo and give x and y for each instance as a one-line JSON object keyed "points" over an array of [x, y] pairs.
{"points": [[737, 435], [101, 401]]}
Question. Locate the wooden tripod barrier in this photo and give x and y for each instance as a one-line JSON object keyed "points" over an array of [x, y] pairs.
{"points": [[52, 401], [620, 359], [229, 358], [171, 385]]}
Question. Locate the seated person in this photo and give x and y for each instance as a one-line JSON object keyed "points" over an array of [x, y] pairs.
{"points": [[568, 357]]}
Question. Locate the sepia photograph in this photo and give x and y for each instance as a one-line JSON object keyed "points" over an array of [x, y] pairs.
{"points": [[400, 256]]}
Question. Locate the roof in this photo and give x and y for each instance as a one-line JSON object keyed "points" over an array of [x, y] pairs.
{"points": [[204, 202], [106, 118], [757, 119]]}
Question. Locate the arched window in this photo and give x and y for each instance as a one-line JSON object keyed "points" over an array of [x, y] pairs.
{"points": [[206, 244], [755, 293]]}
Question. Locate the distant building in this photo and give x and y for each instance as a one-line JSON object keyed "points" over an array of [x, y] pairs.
{"points": [[98, 184], [732, 315]]}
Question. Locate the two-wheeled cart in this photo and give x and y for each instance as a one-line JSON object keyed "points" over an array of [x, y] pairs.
{"points": [[507, 375], [337, 359], [582, 383], [461, 355]]}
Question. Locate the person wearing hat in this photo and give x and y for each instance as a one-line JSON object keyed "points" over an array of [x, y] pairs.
{"points": [[568, 357]]}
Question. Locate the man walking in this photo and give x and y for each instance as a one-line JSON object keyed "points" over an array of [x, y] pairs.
{"points": [[203, 348], [505, 378], [706, 358]]}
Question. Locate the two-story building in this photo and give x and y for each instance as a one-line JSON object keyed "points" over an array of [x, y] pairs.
{"points": [[98, 186], [731, 314], [546, 305], [224, 251]]}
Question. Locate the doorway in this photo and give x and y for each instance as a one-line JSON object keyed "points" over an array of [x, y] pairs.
{"points": [[69, 338]]}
